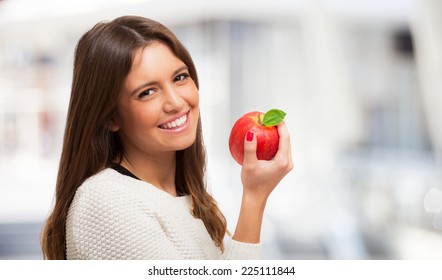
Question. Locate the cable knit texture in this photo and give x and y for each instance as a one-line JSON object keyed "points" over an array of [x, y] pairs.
{"points": [[114, 216]]}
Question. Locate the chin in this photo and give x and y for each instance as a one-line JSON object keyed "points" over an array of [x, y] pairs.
{"points": [[186, 145]]}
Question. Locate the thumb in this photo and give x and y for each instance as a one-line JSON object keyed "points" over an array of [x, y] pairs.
{"points": [[250, 147]]}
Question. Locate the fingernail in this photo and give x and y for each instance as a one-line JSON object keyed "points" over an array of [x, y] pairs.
{"points": [[249, 136]]}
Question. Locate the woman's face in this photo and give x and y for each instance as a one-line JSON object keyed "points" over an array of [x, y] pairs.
{"points": [[159, 105]]}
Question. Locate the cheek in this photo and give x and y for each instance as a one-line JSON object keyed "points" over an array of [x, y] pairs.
{"points": [[138, 117], [194, 97], [196, 100], [191, 93]]}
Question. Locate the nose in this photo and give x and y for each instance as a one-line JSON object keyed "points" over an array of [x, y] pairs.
{"points": [[173, 101]]}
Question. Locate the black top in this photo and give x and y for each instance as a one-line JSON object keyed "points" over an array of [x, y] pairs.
{"points": [[122, 170]]}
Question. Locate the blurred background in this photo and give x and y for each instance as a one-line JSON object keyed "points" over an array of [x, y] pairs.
{"points": [[359, 80]]}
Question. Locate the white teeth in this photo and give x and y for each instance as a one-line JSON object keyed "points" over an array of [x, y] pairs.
{"points": [[176, 123]]}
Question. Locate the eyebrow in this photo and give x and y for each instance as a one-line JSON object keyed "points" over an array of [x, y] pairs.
{"points": [[140, 87]]}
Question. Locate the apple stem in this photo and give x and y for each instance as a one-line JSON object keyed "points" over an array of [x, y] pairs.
{"points": [[260, 118]]}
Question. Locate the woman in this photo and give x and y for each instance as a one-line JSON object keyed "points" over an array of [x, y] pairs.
{"points": [[131, 182]]}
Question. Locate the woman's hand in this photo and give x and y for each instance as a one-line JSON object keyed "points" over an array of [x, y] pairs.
{"points": [[259, 178]]}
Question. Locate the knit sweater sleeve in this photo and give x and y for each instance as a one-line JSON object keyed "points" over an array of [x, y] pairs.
{"points": [[99, 227], [236, 250]]}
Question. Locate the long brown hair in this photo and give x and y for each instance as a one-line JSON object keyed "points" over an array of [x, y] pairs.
{"points": [[103, 59]]}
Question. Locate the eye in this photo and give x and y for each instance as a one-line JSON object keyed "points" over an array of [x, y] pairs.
{"points": [[146, 93], [181, 77]]}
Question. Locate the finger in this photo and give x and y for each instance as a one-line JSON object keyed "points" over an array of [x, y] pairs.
{"points": [[284, 141], [290, 167], [290, 152], [286, 153], [249, 147]]}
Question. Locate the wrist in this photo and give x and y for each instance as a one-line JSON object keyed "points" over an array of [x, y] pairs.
{"points": [[248, 228], [253, 200]]}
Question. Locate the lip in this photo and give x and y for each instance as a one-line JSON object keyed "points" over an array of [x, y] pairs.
{"points": [[176, 129]]}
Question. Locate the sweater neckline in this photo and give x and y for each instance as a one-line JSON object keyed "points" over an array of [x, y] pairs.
{"points": [[145, 185], [122, 170]]}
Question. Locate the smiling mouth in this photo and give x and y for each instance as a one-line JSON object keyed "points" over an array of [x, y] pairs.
{"points": [[175, 124]]}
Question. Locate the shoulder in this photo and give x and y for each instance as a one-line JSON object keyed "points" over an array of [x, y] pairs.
{"points": [[106, 217], [113, 216], [106, 179], [106, 186], [106, 194]]}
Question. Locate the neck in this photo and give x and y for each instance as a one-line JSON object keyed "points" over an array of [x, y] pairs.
{"points": [[158, 171]]}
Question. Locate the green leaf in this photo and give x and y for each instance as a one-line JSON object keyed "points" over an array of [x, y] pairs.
{"points": [[273, 117]]}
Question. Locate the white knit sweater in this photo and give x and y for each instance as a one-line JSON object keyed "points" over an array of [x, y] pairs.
{"points": [[114, 216]]}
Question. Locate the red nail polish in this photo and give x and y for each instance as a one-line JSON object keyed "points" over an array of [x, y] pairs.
{"points": [[249, 136]]}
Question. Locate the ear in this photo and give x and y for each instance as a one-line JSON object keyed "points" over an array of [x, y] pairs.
{"points": [[113, 125]]}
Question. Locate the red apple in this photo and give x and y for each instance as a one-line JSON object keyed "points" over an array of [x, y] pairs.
{"points": [[265, 130]]}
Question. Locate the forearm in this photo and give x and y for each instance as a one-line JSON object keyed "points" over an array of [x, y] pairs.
{"points": [[259, 178], [248, 228]]}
